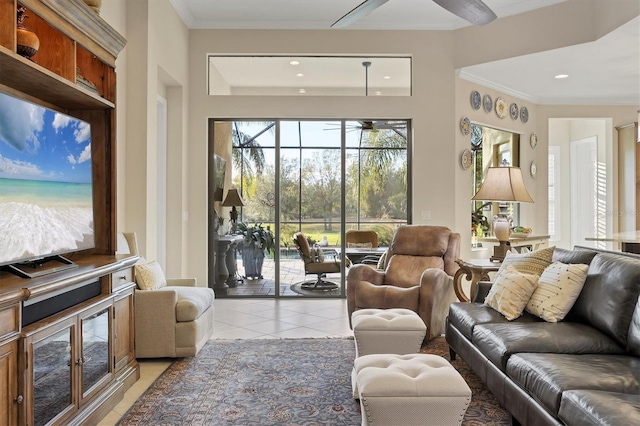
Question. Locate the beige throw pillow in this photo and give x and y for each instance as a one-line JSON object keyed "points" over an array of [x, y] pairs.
{"points": [[150, 276], [558, 289], [534, 262], [510, 292]]}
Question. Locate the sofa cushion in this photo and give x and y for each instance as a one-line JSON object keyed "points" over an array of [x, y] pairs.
{"points": [[599, 408], [547, 376], [558, 288], [633, 341], [511, 291], [149, 276], [369, 295], [406, 271], [465, 316], [192, 301], [573, 256], [609, 295], [499, 341]]}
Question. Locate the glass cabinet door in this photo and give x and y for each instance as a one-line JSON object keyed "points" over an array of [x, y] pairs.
{"points": [[52, 376], [94, 359]]}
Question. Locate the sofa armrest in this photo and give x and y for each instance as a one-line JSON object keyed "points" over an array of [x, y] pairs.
{"points": [[155, 321], [436, 295], [482, 290], [182, 282]]}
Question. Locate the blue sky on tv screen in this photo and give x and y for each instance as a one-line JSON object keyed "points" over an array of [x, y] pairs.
{"points": [[40, 144]]}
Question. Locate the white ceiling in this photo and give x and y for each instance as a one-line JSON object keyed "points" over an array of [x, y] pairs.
{"points": [[609, 67]]}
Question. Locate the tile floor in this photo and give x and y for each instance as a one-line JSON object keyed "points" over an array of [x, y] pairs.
{"points": [[248, 318]]}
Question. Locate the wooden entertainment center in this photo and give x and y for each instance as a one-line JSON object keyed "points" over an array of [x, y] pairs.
{"points": [[67, 351]]}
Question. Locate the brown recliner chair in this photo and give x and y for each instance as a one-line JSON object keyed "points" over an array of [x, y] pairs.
{"points": [[418, 275], [313, 265]]}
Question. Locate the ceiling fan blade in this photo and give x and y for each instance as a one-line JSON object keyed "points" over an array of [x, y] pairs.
{"points": [[360, 11], [474, 11]]}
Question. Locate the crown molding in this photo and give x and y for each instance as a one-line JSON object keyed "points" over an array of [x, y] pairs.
{"points": [[185, 14], [496, 86]]}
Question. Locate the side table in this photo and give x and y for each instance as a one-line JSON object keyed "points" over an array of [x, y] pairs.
{"points": [[474, 270]]}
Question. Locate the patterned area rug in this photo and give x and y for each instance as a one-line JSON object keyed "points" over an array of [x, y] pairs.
{"points": [[275, 382]]}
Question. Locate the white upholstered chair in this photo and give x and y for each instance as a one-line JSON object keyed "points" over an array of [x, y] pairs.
{"points": [[173, 317]]}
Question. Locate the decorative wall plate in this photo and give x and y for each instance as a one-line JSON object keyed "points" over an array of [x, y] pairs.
{"points": [[501, 108], [465, 125], [533, 169], [476, 99], [513, 111], [488, 103], [524, 114], [533, 140], [466, 159]]}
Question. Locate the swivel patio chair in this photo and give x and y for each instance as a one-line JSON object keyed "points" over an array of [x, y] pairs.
{"points": [[315, 264]]}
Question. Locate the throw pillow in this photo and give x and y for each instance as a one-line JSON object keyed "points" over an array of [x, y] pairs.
{"points": [[510, 292], [558, 289], [528, 263], [150, 276]]}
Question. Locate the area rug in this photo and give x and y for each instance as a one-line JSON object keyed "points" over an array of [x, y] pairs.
{"points": [[275, 382]]}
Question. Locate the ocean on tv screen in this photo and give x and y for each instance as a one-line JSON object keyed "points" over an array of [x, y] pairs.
{"points": [[46, 192]]}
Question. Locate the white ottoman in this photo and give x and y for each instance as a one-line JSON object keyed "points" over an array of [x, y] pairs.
{"points": [[413, 389], [387, 331]]}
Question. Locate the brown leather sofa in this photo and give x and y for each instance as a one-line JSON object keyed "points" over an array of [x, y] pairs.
{"points": [[418, 275], [584, 370]]}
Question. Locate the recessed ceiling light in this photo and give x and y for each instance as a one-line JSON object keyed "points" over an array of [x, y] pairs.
{"points": [[378, 93], [299, 75], [559, 76], [302, 91], [294, 63], [387, 77]]}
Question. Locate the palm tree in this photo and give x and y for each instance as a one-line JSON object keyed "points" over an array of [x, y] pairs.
{"points": [[247, 154]]}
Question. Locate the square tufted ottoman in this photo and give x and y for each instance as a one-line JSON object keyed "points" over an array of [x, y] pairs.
{"points": [[387, 331], [412, 389]]}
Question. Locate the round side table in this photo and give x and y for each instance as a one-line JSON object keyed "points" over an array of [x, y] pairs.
{"points": [[474, 270]]}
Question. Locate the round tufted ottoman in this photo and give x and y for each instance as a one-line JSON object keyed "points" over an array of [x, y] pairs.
{"points": [[412, 389], [387, 331]]}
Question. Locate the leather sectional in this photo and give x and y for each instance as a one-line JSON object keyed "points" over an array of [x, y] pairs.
{"points": [[584, 370]]}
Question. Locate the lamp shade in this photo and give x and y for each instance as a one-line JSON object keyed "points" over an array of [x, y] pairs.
{"points": [[503, 184], [233, 199]]}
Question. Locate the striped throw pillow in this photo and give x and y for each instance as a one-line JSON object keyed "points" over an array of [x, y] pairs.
{"points": [[534, 262], [558, 289], [510, 292]]}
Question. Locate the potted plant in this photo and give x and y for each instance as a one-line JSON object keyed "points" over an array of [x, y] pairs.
{"points": [[257, 241]]}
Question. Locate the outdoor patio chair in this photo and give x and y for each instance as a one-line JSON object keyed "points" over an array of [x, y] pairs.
{"points": [[314, 263]]}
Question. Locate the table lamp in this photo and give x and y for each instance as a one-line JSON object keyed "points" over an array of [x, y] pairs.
{"points": [[232, 200], [502, 184]]}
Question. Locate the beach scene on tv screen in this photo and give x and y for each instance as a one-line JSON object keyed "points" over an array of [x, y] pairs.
{"points": [[46, 202]]}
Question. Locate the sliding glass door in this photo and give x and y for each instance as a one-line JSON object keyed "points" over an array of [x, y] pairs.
{"points": [[315, 177]]}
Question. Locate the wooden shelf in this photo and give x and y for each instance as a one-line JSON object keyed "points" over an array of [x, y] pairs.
{"points": [[28, 77]]}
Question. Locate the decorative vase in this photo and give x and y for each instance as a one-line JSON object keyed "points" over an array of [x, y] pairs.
{"points": [[95, 5], [252, 261], [27, 42]]}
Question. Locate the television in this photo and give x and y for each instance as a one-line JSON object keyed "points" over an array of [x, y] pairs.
{"points": [[46, 191]]}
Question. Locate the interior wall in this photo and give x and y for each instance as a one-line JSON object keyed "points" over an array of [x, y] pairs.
{"points": [[430, 107], [530, 214], [157, 65]]}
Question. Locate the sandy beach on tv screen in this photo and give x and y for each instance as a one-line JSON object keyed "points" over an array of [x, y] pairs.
{"points": [[31, 230]]}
